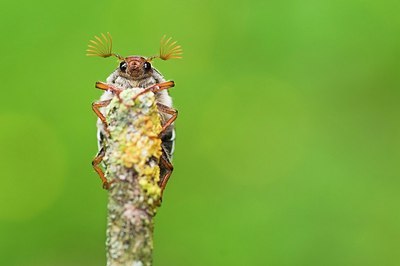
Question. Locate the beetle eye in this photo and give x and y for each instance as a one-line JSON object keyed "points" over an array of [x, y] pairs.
{"points": [[147, 66], [123, 66]]}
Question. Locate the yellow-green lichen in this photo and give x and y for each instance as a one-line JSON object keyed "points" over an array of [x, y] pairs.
{"points": [[133, 144]]}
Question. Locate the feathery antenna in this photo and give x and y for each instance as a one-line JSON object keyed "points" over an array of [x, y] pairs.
{"points": [[101, 46]]}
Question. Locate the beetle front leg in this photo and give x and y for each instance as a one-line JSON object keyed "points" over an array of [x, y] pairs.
{"points": [[156, 88], [107, 87]]}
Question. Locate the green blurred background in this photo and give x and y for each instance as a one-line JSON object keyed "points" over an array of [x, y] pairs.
{"points": [[288, 140]]}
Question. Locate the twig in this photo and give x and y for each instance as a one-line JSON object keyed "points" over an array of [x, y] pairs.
{"points": [[133, 151]]}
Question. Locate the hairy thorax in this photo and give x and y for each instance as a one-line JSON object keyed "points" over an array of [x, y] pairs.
{"points": [[118, 80], [121, 82]]}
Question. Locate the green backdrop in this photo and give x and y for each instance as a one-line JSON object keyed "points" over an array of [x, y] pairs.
{"points": [[288, 136]]}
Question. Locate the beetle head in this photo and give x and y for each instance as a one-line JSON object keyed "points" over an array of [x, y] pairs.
{"points": [[133, 67]]}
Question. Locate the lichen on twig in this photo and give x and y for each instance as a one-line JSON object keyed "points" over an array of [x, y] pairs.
{"points": [[133, 151]]}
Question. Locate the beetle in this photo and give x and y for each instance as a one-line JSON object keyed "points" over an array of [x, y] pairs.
{"points": [[137, 71]]}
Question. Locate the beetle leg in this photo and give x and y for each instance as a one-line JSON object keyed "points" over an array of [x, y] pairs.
{"points": [[96, 106], [168, 110], [156, 88], [164, 161], [107, 87], [95, 163]]}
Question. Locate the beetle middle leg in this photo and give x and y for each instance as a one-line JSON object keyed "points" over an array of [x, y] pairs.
{"points": [[165, 162], [96, 106], [95, 163], [167, 110]]}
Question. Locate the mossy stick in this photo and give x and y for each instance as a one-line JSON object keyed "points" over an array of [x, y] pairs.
{"points": [[133, 151]]}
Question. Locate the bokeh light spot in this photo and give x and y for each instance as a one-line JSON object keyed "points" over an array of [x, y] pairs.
{"points": [[32, 165]]}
